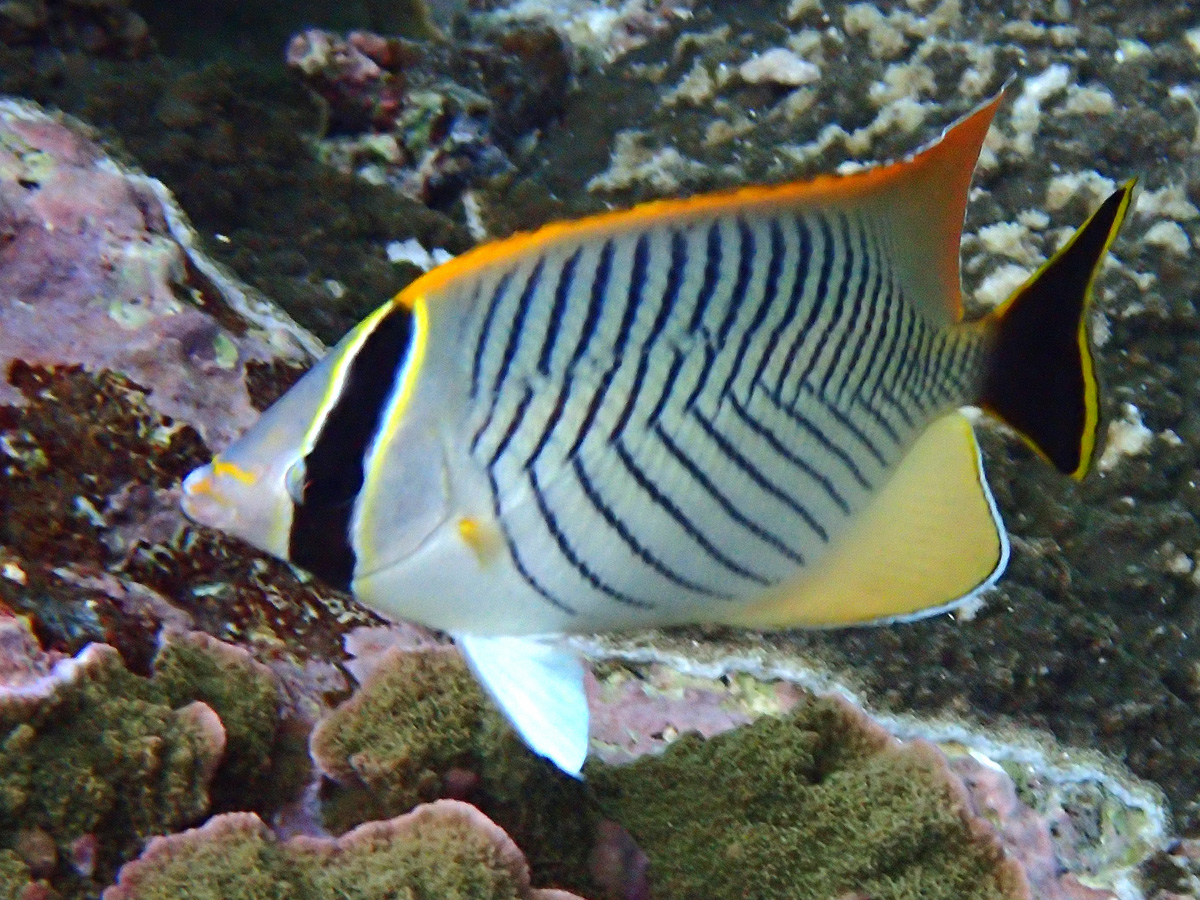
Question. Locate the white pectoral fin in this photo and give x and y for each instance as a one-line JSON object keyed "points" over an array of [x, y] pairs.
{"points": [[538, 685]]}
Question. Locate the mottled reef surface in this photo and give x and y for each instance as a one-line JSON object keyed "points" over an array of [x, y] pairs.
{"points": [[1091, 636]]}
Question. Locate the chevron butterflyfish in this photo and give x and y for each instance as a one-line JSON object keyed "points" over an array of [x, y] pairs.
{"points": [[742, 407]]}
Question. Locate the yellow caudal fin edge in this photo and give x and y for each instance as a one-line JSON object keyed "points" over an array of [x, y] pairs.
{"points": [[931, 538], [922, 197], [1041, 377]]}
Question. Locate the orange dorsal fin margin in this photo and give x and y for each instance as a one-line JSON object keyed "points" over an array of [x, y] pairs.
{"points": [[925, 206], [921, 197]]}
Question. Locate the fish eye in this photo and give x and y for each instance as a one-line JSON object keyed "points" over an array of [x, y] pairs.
{"points": [[296, 480]]}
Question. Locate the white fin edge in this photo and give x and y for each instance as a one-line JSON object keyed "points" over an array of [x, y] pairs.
{"points": [[988, 583], [538, 684]]}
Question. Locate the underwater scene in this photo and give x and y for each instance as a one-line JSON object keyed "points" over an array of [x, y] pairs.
{"points": [[599, 449]]}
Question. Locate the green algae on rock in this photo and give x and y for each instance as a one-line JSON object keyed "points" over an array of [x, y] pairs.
{"points": [[818, 803], [95, 759], [243, 693], [822, 803], [414, 719], [448, 850], [420, 728], [100, 753], [15, 878]]}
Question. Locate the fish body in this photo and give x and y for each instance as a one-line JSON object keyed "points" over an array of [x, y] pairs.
{"points": [[737, 408]]}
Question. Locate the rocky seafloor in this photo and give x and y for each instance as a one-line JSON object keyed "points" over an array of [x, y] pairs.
{"points": [[320, 168]]}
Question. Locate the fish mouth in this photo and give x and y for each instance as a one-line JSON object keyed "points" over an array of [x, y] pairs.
{"points": [[203, 503]]}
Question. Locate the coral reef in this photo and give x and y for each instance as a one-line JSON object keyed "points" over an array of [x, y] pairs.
{"points": [[821, 803], [1030, 839], [99, 271], [445, 849], [420, 728], [94, 757], [233, 144], [1090, 636], [16, 881], [97, 27], [242, 692], [127, 357]]}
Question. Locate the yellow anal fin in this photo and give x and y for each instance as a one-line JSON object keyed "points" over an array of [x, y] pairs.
{"points": [[931, 538]]}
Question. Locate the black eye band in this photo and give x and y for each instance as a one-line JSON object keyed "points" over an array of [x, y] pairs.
{"points": [[320, 538]]}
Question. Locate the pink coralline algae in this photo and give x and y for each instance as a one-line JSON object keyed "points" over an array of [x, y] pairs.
{"points": [[1026, 836], [126, 359], [447, 849], [26, 670], [97, 269]]}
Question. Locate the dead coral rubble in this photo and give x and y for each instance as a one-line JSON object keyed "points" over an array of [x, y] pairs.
{"points": [[433, 118], [448, 850]]}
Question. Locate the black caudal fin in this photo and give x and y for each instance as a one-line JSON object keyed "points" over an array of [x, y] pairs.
{"points": [[1041, 379]]}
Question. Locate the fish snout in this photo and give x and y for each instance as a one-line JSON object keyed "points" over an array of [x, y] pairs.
{"points": [[202, 501]]}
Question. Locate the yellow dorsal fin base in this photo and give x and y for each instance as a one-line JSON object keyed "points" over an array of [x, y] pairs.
{"points": [[930, 539]]}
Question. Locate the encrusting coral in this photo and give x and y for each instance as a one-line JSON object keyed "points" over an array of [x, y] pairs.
{"points": [[447, 849], [379, 738], [821, 803], [817, 803], [243, 692], [101, 754], [94, 758], [420, 728]]}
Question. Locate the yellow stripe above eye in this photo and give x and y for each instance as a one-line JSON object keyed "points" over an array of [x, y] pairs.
{"points": [[336, 382], [221, 467]]}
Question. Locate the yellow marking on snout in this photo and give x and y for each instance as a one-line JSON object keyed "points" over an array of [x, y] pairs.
{"points": [[199, 486], [222, 468], [484, 540]]}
